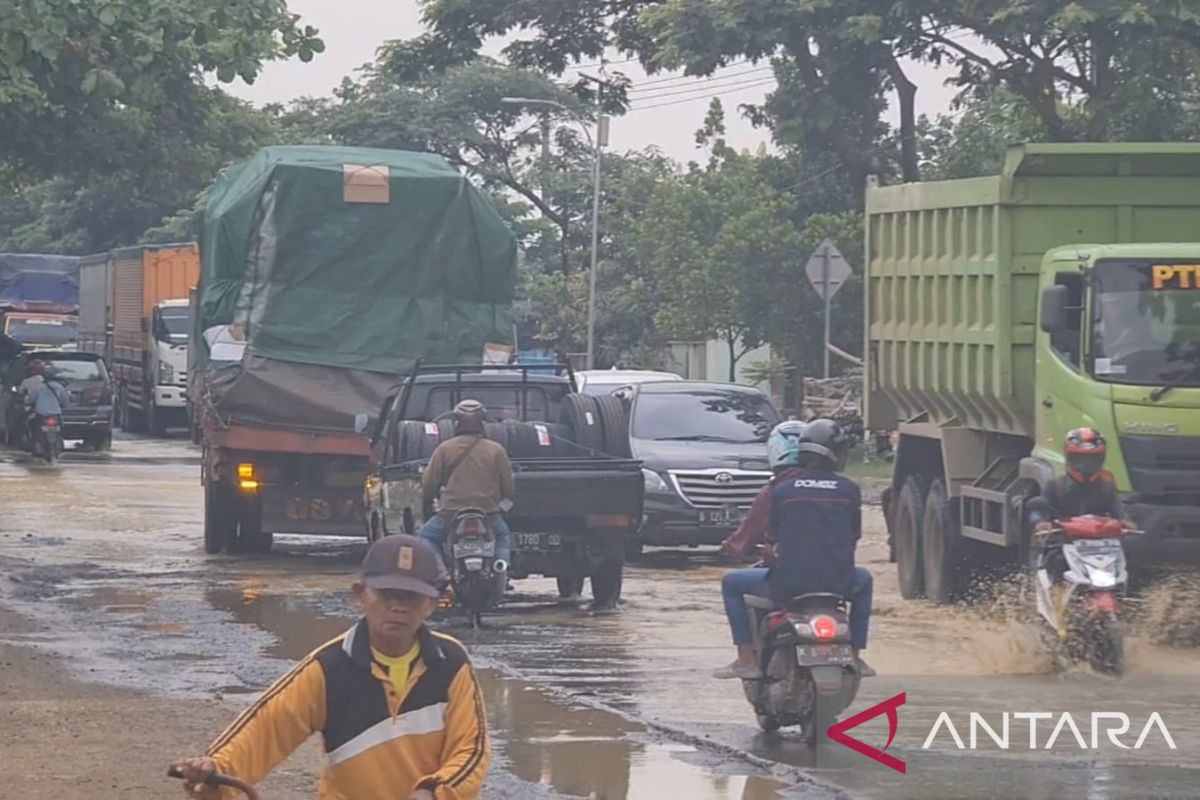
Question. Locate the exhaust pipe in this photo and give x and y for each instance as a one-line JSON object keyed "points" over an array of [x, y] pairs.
{"points": [[500, 565]]}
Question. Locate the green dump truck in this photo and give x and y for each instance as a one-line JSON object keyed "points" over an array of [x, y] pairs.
{"points": [[1003, 311], [325, 273]]}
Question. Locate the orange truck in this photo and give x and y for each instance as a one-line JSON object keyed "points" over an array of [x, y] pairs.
{"points": [[134, 311]]}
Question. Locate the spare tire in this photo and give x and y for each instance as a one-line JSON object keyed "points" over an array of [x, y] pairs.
{"points": [[581, 414], [410, 440], [614, 418], [498, 434]]}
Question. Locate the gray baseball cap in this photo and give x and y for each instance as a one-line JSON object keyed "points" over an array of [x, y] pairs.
{"points": [[404, 563]]}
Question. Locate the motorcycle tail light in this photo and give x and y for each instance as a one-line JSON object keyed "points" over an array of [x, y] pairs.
{"points": [[824, 627], [471, 527], [51, 422]]}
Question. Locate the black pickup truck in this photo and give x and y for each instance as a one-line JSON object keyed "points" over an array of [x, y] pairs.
{"points": [[579, 493]]}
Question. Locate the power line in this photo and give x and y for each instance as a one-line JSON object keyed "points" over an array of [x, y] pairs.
{"points": [[675, 92], [705, 95], [599, 64], [699, 83], [674, 78]]}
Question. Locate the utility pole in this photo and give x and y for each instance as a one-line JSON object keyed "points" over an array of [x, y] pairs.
{"points": [[598, 142]]}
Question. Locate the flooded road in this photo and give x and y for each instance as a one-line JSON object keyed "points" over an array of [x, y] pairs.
{"points": [[102, 556]]}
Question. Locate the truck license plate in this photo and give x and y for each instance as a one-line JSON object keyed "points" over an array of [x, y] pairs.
{"points": [[545, 542], [729, 516], [810, 655]]}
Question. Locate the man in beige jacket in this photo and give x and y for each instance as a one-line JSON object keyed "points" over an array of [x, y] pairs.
{"points": [[468, 471]]}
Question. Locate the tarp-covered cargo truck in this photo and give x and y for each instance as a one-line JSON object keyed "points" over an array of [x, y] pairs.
{"points": [[1004, 311], [39, 299], [326, 273], [134, 312]]}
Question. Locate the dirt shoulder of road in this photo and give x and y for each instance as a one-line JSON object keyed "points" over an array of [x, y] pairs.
{"points": [[66, 739]]}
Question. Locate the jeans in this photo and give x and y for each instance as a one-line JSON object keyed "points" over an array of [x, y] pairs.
{"points": [[434, 532], [741, 582]]}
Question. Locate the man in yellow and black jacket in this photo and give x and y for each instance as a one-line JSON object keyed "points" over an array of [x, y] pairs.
{"points": [[396, 703]]}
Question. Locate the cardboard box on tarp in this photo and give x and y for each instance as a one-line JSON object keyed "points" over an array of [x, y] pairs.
{"points": [[327, 271]]}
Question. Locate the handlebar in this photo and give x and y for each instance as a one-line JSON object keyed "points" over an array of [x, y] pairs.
{"points": [[216, 781]]}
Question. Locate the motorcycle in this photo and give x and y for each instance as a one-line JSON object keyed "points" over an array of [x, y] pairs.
{"points": [[217, 781], [1079, 580], [810, 673], [47, 438], [475, 572]]}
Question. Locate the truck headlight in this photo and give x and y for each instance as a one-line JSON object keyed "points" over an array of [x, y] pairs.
{"points": [[166, 373], [654, 482]]}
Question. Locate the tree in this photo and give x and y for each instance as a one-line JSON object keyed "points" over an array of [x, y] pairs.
{"points": [[708, 238], [87, 85], [85, 214]]}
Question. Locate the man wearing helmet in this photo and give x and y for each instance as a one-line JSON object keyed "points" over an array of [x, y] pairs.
{"points": [[468, 471], [811, 517], [1086, 488]]}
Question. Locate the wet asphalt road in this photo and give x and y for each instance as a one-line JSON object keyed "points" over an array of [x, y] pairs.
{"points": [[105, 551]]}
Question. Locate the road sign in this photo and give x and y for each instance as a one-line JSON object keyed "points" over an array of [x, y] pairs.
{"points": [[827, 268]]}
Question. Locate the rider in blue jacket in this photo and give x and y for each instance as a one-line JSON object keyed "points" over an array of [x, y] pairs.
{"points": [[815, 524]]}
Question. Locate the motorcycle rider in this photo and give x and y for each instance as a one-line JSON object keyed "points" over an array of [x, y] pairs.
{"points": [[813, 524], [1086, 488], [468, 471], [43, 399]]}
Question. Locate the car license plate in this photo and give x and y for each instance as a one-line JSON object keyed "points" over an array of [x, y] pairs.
{"points": [[810, 655], [464, 549], [728, 516], [545, 542]]}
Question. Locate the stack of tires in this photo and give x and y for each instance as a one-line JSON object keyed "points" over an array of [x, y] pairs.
{"points": [[588, 426]]}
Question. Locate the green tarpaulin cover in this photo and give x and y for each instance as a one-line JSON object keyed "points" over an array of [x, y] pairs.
{"points": [[315, 279], [345, 259]]}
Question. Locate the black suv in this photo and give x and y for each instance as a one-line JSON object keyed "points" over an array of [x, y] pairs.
{"points": [[88, 413], [703, 448]]}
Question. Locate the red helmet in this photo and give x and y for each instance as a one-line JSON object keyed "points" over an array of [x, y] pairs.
{"points": [[1085, 451]]}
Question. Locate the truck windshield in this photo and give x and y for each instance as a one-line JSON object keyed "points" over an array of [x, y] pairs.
{"points": [[178, 323], [44, 332], [1146, 323], [709, 415]]}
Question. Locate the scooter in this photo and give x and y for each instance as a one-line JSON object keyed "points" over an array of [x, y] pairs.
{"points": [[1080, 577], [47, 437], [216, 781], [810, 673], [476, 574]]}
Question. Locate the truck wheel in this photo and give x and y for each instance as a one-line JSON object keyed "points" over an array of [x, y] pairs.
{"points": [[220, 525], [251, 538], [908, 521], [614, 417], [154, 422], [606, 582], [942, 547], [581, 413], [569, 587]]}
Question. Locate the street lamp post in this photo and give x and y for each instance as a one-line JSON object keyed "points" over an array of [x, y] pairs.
{"points": [[595, 142]]}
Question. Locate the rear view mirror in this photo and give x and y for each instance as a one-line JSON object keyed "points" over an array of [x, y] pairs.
{"points": [[362, 423], [1054, 308]]}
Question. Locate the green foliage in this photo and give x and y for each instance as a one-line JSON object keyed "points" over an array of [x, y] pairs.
{"points": [[87, 86]]}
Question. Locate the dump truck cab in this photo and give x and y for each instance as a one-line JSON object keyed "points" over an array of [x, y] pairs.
{"points": [[1118, 348]]}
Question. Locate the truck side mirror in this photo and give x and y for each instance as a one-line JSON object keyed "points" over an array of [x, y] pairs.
{"points": [[1054, 308], [362, 423]]}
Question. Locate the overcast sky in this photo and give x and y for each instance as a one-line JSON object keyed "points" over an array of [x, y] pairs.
{"points": [[353, 29]]}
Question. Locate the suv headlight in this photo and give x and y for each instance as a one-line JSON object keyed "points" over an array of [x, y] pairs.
{"points": [[654, 482]]}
